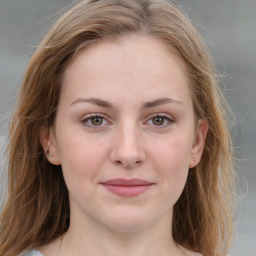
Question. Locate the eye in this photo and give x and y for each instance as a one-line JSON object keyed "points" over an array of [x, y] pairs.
{"points": [[94, 121], [160, 120]]}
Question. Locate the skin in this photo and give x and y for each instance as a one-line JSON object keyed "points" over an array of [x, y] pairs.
{"points": [[136, 134]]}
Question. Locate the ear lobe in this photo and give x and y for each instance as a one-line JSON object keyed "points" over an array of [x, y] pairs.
{"points": [[198, 144], [49, 145]]}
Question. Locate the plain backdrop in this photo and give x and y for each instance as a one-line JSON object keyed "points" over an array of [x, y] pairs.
{"points": [[229, 29]]}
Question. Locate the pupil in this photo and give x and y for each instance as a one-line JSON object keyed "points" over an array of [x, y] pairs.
{"points": [[97, 121], [158, 120]]}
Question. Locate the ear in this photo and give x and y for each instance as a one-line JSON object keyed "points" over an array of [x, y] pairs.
{"points": [[198, 144], [48, 142]]}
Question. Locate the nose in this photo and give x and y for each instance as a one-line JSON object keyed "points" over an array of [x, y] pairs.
{"points": [[127, 149]]}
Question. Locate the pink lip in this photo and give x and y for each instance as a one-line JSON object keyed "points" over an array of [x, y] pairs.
{"points": [[123, 187]]}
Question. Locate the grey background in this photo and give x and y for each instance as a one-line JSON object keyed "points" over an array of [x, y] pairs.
{"points": [[228, 27]]}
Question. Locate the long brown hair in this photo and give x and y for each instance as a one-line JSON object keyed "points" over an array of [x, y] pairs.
{"points": [[37, 208]]}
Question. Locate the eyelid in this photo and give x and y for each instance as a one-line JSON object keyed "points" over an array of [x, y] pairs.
{"points": [[170, 119], [93, 115], [167, 117]]}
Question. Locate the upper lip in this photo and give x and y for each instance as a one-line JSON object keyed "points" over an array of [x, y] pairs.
{"points": [[127, 182]]}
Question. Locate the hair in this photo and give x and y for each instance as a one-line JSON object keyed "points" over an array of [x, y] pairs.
{"points": [[37, 207]]}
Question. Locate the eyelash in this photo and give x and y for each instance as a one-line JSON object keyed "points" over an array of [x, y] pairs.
{"points": [[167, 118], [88, 118]]}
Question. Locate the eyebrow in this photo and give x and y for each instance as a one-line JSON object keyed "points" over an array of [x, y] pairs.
{"points": [[98, 102], [161, 101], [106, 104]]}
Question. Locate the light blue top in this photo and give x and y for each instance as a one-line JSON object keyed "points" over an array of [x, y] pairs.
{"points": [[37, 253], [31, 253]]}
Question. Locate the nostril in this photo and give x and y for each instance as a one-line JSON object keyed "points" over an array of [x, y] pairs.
{"points": [[129, 165]]}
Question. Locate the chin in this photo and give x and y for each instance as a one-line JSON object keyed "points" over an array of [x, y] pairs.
{"points": [[128, 221]]}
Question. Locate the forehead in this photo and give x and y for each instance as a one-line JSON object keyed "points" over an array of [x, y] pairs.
{"points": [[132, 62], [124, 46]]}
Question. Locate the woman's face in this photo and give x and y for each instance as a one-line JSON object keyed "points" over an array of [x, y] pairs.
{"points": [[125, 133]]}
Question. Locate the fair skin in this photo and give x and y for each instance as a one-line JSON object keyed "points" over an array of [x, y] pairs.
{"points": [[125, 112]]}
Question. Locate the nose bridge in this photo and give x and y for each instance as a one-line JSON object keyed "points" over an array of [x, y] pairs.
{"points": [[127, 147]]}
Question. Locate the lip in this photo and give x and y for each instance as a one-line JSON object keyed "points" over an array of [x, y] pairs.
{"points": [[127, 188]]}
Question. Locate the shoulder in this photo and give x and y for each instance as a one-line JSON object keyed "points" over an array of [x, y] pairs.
{"points": [[190, 253], [31, 253]]}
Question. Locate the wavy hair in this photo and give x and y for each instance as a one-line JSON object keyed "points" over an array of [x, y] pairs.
{"points": [[37, 207]]}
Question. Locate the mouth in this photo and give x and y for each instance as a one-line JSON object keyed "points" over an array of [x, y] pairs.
{"points": [[127, 188]]}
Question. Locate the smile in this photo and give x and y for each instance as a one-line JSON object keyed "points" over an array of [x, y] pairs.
{"points": [[128, 188]]}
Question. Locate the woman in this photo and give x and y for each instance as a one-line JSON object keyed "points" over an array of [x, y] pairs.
{"points": [[119, 144]]}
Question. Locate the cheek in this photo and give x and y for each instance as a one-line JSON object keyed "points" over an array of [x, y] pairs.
{"points": [[81, 157], [81, 165], [173, 153], [171, 161]]}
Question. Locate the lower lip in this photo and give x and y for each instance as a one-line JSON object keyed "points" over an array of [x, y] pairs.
{"points": [[128, 190]]}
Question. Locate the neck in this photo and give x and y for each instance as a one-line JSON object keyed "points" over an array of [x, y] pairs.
{"points": [[97, 241]]}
